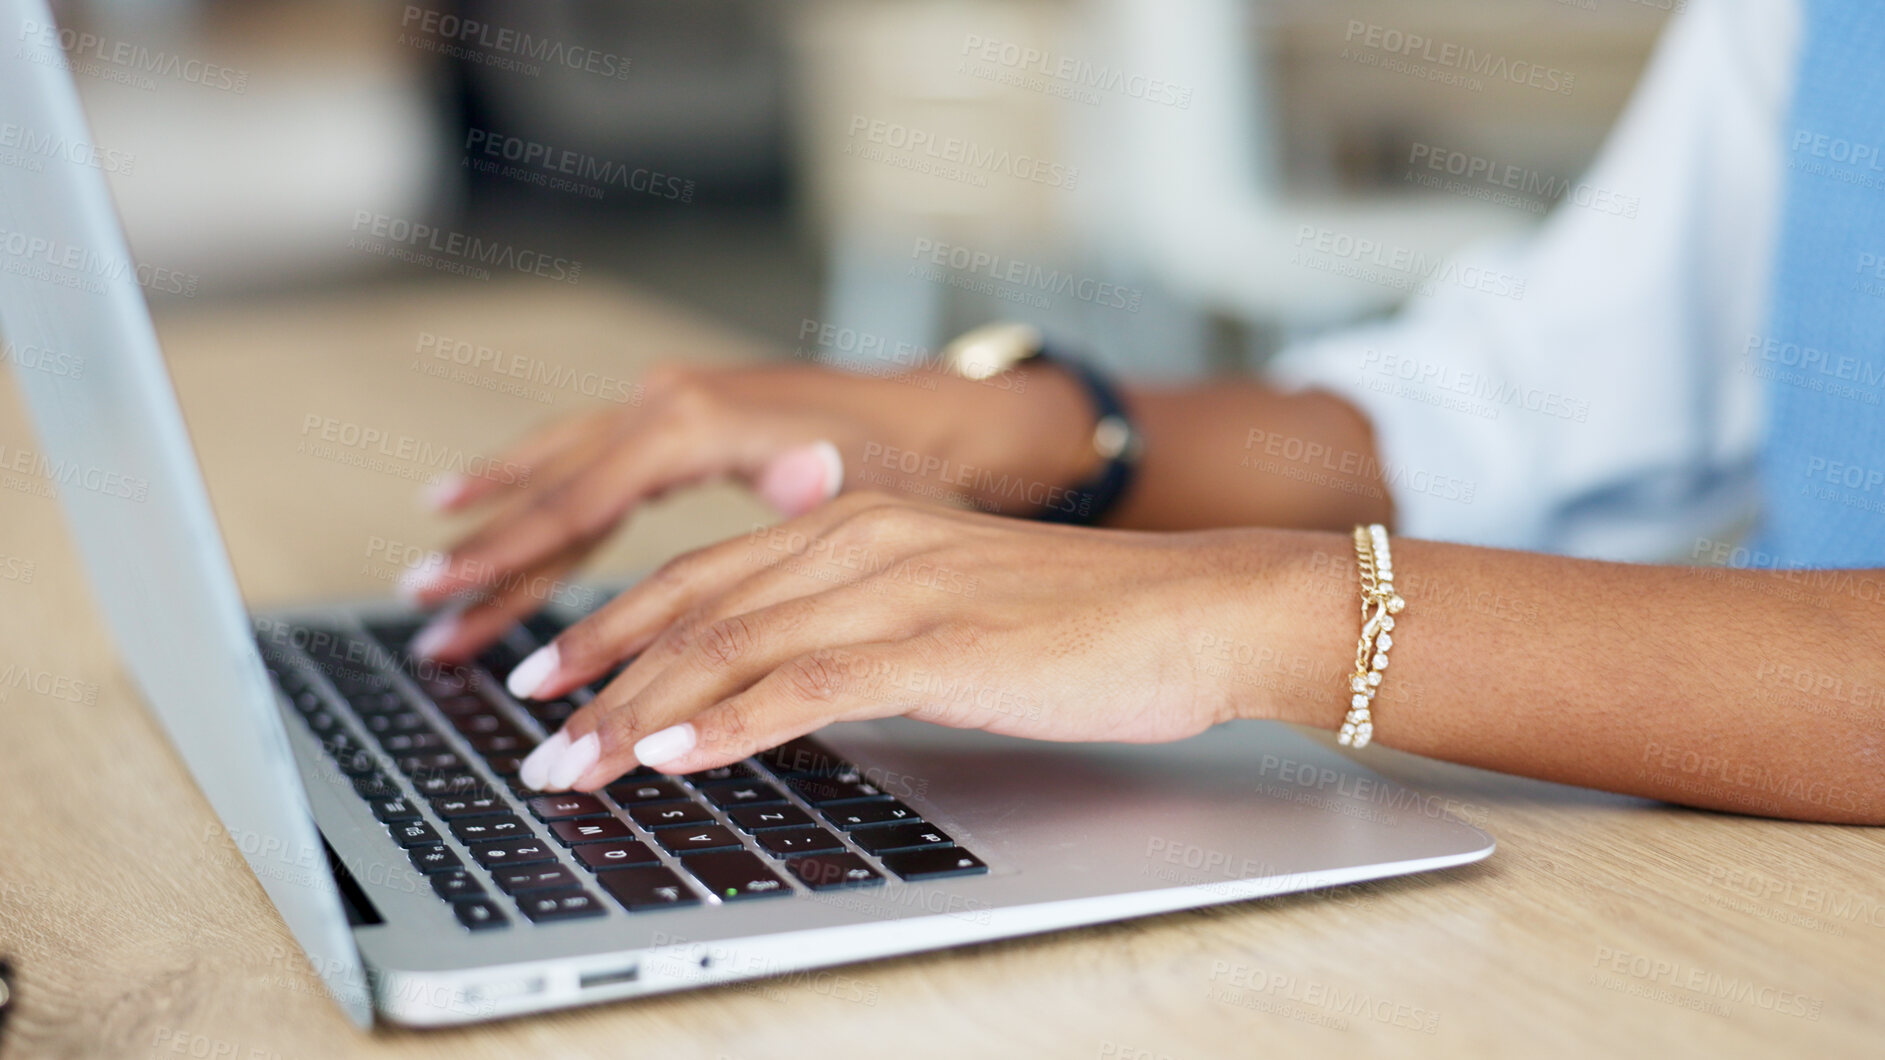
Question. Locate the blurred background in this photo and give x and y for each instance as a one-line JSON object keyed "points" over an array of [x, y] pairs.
{"points": [[849, 178]]}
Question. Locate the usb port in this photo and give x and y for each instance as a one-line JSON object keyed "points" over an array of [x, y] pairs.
{"points": [[611, 977]]}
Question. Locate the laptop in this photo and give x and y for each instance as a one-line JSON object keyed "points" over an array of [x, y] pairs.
{"points": [[376, 797]]}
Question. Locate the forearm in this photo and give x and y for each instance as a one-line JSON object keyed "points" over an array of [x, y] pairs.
{"points": [[1238, 453], [1736, 690]]}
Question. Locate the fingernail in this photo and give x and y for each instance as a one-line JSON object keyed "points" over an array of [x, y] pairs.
{"points": [[421, 576], [440, 494], [665, 746], [801, 479], [532, 672], [535, 772], [573, 761], [434, 634]]}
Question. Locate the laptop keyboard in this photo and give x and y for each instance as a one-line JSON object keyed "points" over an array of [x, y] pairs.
{"points": [[792, 820]]}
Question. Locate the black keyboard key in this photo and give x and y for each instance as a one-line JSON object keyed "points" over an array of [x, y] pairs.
{"points": [[736, 771], [544, 906], [511, 852], [516, 879], [454, 884], [322, 721], [461, 705], [482, 723], [399, 721], [590, 830], [500, 658], [434, 858], [690, 840], [451, 806], [551, 714], [391, 810], [911, 836], [787, 842], [670, 815], [434, 762], [844, 787], [413, 833], [451, 783], [557, 807], [933, 862], [375, 786], [803, 757], [501, 743], [760, 818], [543, 628], [355, 761], [742, 793], [505, 765], [642, 889], [862, 814], [641, 792], [825, 872], [618, 854], [485, 829], [735, 876], [412, 743], [479, 914]]}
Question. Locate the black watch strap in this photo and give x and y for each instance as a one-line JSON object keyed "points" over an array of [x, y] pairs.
{"points": [[1114, 437]]}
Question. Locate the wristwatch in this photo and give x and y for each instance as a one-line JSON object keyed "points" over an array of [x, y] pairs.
{"points": [[992, 349]]}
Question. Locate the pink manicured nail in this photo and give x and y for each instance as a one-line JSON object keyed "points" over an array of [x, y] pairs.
{"points": [[532, 672], [535, 771], [443, 492], [569, 766], [434, 634], [801, 479], [667, 745]]}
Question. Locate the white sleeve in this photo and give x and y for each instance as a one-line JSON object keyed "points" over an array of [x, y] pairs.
{"points": [[1584, 391]]}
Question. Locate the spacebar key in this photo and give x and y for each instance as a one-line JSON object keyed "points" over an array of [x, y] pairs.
{"points": [[735, 875]]}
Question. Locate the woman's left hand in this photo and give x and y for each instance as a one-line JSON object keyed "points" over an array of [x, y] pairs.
{"points": [[871, 607]]}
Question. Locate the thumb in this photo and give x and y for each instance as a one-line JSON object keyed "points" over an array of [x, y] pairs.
{"points": [[798, 480]]}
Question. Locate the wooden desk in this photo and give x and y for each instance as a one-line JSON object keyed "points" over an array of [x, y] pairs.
{"points": [[1603, 925]]}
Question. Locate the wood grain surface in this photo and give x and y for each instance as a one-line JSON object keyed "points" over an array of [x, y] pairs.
{"points": [[1603, 926]]}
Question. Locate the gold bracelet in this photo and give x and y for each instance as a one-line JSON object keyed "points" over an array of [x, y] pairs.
{"points": [[1371, 653]]}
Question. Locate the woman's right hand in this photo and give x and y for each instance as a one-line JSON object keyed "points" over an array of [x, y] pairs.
{"points": [[796, 434]]}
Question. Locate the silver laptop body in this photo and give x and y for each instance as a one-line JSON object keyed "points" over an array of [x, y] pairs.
{"points": [[1059, 835]]}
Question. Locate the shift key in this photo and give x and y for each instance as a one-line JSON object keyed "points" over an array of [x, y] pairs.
{"points": [[735, 875]]}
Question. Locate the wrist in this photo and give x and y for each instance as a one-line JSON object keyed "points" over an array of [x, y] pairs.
{"points": [[1022, 438], [1290, 621]]}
